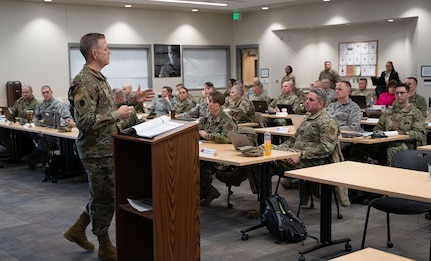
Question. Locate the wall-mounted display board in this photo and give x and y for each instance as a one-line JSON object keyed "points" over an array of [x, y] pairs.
{"points": [[357, 58]]}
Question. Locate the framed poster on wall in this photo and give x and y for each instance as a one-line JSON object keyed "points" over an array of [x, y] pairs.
{"points": [[426, 71], [357, 58], [167, 60]]}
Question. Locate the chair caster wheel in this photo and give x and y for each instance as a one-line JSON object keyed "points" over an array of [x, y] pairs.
{"points": [[301, 258], [389, 244], [339, 216], [244, 237], [348, 246], [229, 205], [54, 181], [44, 180]]}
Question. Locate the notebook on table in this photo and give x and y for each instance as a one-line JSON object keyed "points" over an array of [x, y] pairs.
{"points": [[260, 106], [239, 140], [360, 100]]}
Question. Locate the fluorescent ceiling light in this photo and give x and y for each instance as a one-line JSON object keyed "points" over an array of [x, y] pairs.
{"points": [[190, 2], [265, 8], [127, 6]]}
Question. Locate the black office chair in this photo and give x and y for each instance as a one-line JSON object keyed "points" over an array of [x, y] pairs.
{"points": [[410, 159]]}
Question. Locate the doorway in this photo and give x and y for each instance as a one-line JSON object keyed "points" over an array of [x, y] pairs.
{"points": [[247, 64]]}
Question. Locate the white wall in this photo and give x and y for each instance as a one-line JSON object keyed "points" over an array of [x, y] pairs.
{"points": [[314, 36], [35, 37]]}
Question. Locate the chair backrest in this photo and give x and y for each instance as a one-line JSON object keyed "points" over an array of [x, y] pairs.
{"points": [[411, 159]]}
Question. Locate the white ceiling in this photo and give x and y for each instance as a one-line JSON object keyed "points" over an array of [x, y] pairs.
{"points": [[241, 5]]}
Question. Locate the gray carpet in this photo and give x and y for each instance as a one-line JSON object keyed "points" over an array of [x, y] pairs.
{"points": [[34, 215]]}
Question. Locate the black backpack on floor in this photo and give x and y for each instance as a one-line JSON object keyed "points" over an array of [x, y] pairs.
{"points": [[281, 222]]}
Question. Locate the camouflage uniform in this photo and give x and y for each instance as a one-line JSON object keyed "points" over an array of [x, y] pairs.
{"points": [[47, 142], [368, 95], [330, 96], [184, 106], [409, 121], [161, 107], [22, 105], [202, 99], [348, 115], [315, 138], [226, 92], [419, 102], [260, 97], [198, 111], [19, 110], [242, 111], [288, 78], [93, 105], [217, 128], [332, 75], [287, 100]]}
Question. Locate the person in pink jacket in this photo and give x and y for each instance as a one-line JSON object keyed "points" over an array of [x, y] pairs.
{"points": [[388, 97]]}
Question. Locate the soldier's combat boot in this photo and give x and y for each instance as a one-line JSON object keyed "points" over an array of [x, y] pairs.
{"points": [[107, 251], [212, 194], [32, 159], [76, 233]]}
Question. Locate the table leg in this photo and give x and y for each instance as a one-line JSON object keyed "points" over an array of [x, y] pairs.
{"points": [[326, 223], [264, 179]]}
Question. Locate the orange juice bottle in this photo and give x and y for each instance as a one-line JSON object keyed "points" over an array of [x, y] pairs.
{"points": [[267, 143]]}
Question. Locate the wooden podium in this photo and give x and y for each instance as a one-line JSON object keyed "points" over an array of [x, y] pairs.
{"points": [[165, 169]]}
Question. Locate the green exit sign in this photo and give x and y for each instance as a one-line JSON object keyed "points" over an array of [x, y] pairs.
{"points": [[236, 15]]}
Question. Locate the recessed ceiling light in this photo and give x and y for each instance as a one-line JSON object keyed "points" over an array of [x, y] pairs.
{"points": [[48, 0], [127, 6], [326, 0], [390, 20], [191, 2], [265, 8], [195, 10]]}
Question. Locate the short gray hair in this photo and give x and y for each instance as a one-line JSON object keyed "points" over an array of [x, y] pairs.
{"points": [[321, 94], [238, 89]]}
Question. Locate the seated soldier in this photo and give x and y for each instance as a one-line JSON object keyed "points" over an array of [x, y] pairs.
{"points": [[46, 143], [165, 104], [240, 108], [184, 102], [214, 127]]}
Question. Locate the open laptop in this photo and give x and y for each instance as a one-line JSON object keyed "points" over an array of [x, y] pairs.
{"points": [[373, 113], [7, 111], [239, 140], [297, 119], [260, 106], [378, 81], [286, 106], [48, 117], [360, 100]]}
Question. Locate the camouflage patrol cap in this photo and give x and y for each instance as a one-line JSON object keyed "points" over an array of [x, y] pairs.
{"points": [[251, 151]]}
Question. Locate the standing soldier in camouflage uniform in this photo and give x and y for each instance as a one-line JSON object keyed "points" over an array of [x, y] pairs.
{"points": [[316, 137], [165, 104], [403, 117], [289, 76], [329, 74], [240, 108], [184, 103], [96, 114], [287, 97], [362, 91], [214, 127]]}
